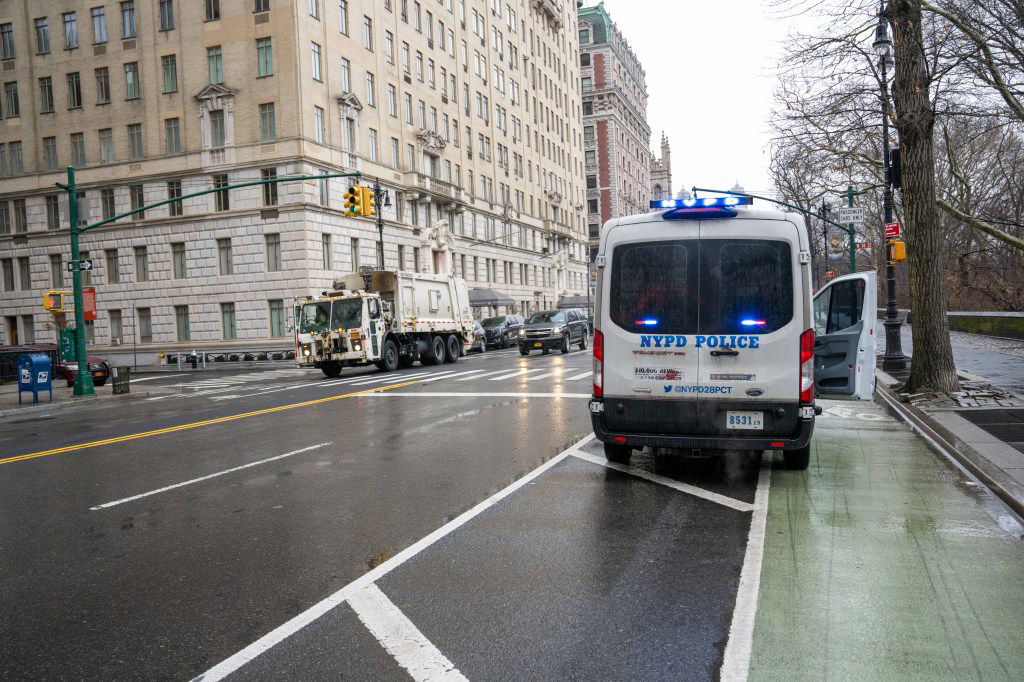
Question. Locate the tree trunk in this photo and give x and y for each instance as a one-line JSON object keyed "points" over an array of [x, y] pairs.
{"points": [[932, 364]]}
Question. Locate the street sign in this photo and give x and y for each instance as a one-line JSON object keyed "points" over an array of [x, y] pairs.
{"points": [[84, 265], [892, 229], [853, 215], [830, 274]]}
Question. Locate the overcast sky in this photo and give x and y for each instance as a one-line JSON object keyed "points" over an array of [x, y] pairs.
{"points": [[710, 81]]}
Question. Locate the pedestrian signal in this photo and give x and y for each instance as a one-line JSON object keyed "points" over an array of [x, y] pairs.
{"points": [[897, 250]]}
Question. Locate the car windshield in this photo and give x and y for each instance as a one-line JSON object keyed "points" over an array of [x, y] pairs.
{"points": [[492, 322], [313, 317], [347, 313], [548, 316]]}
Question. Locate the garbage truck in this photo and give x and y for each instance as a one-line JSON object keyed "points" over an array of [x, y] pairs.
{"points": [[389, 318]]}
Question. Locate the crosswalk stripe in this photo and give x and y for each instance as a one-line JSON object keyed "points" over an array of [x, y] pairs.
{"points": [[450, 375], [580, 376], [389, 377], [545, 375], [517, 373], [486, 374]]}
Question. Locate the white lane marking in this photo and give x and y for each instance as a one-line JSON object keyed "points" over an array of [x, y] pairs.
{"points": [[449, 375], [487, 374], [105, 505], [736, 662], [518, 372], [400, 637], [545, 375], [390, 377], [288, 628], [580, 376], [738, 505], [166, 376], [492, 394]]}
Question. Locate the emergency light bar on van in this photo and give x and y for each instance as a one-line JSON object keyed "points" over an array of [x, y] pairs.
{"points": [[701, 209]]}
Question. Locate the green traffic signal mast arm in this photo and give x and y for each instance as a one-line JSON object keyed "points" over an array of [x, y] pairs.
{"points": [[222, 188], [844, 228]]}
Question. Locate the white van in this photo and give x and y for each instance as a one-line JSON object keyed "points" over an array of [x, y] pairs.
{"points": [[706, 332]]}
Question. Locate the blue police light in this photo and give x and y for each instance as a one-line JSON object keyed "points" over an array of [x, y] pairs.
{"points": [[701, 209], [647, 321], [753, 323]]}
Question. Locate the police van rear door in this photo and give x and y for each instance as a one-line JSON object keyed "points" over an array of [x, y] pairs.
{"points": [[845, 318], [649, 299], [750, 317]]}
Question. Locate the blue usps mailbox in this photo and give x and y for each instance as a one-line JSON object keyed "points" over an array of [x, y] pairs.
{"points": [[34, 375]]}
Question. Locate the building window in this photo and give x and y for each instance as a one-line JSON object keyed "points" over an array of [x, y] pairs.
{"points": [[166, 15], [24, 274], [318, 124], [588, 108], [373, 145], [172, 135], [77, 150], [181, 311], [74, 91], [70, 30], [221, 200], [107, 203], [346, 75], [315, 60], [368, 33], [116, 326], [141, 264], [227, 320], [314, 9], [212, 10], [128, 19], [132, 87], [323, 188], [215, 64], [267, 122], [325, 251], [46, 95], [588, 83], [135, 195], [145, 325], [178, 260], [56, 271], [49, 153], [169, 64], [591, 182], [102, 86], [389, 47], [224, 256], [8, 268], [584, 36], [588, 133], [52, 212], [261, 6], [343, 16], [173, 192], [584, 59], [354, 249], [106, 145], [217, 128], [99, 25], [273, 246], [590, 156], [371, 90], [591, 205], [12, 104], [269, 189], [277, 318], [392, 100], [394, 153], [264, 58], [135, 150], [6, 41], [113, 267]]}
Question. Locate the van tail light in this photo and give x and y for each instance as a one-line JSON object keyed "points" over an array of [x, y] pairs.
{"points": [[598, 364], [807, 367]]}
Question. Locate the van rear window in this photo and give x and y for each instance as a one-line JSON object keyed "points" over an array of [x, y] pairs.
{"points": [[654, 287], [710, 286]]}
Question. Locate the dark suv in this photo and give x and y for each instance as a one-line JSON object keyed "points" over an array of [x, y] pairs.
{"points": [[549, 329], [502, 330]]}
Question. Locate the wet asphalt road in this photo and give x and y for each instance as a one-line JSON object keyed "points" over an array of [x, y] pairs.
{"points": [[119, 563]]}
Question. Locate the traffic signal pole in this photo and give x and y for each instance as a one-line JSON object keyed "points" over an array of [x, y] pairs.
{"points": [[380, 220], [83, 377], [853, 243]]}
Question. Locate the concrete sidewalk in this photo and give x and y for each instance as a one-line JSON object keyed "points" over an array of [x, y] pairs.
{"points": [[63, 400]]}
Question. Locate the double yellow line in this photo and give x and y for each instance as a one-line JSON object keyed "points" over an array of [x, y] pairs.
{"points": [[196, 425]]}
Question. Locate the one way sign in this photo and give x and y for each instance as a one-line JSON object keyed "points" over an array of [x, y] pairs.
{"points": [[84, 265]]}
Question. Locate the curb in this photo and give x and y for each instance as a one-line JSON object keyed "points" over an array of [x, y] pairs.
{"points": [[70, 405], [947, 444]]}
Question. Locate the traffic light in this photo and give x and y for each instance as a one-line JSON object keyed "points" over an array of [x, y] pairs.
{"points": [[369, 201], [354, 200], [896, 250]]}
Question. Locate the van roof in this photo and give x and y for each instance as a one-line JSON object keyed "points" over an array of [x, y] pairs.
{"points": [[749, 213]]}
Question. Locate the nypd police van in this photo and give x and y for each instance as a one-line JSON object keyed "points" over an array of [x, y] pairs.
{"points": [[707, 336]]}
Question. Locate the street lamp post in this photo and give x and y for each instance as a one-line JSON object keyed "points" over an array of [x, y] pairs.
{"points": [[894, 359]]}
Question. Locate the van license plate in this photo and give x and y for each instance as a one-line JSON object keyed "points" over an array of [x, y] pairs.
{"points": [[744, 420], [538, 344]]}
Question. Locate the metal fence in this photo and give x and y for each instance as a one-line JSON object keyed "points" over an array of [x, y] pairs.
{"points": [[9, 361]]}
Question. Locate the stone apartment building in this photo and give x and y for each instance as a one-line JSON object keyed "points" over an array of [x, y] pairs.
{"points": [[468, 111], [616, 135]]}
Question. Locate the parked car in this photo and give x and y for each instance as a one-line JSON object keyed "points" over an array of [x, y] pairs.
{"points": [[99, 367], [479, 338], [502, 330], [549, 329]]}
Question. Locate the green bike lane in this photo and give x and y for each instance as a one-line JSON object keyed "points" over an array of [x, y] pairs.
{"points": [[884, 561]]}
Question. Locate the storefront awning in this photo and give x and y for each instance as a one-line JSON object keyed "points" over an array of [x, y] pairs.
{"points": [[481, 298]]}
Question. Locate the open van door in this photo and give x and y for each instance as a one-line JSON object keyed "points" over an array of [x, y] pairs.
{"points": [[845, 317]]}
